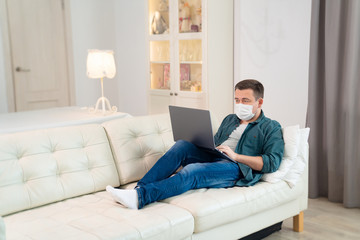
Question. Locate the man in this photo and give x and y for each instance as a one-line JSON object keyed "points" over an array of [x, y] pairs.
{"points": [[254, 141]]}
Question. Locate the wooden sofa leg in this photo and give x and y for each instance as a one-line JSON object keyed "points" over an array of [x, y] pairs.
{"points": [[298, 222]]}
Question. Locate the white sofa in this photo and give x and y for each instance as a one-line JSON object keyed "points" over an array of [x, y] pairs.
{"points": [[52, 185]]}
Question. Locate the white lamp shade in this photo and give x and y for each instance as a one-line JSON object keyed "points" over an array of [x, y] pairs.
{"points": [[100, 63]]}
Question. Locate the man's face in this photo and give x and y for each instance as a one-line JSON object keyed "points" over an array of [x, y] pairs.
{"points": [[246, 96]]}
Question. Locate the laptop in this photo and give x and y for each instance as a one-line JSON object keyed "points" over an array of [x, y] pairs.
{"points": [[194, 125]]}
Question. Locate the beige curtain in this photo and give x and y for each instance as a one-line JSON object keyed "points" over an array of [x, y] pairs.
{"points": [[334, 101]]}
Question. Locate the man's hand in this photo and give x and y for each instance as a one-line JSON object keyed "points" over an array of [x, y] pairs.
{"points": [[228, 151], [255, 162]]}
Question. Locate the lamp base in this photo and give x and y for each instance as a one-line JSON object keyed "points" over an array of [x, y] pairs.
{"points": [[105, 104]]}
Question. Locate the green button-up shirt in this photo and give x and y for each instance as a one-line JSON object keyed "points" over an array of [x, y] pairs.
{"points": [[262, 137]]}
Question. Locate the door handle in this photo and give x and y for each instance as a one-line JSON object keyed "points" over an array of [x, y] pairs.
{"points": [[19, 69], [176, 94], [171, 94]]}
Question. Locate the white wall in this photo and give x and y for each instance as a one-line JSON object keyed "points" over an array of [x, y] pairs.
{"points": [[3, 96], [105, 24], [93, 27], [272, 40], [131, 56], [220, 57], [116, 25], [271, 44]]}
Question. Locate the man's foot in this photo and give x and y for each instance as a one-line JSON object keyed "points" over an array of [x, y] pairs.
{"points": [[128, 198]]}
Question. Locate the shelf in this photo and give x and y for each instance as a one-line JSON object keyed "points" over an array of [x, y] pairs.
{"points": [[161, 91], [159, 37], [160, 62], [190, 35], [190, 62]]}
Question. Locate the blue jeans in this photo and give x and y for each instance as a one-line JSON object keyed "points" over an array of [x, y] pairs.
{"points": [[200, 170]]}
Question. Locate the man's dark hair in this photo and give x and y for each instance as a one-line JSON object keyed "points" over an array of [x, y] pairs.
{"points": [[253, 84]]}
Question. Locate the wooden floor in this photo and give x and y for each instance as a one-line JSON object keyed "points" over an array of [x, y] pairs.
{"points": [[323, 220]]}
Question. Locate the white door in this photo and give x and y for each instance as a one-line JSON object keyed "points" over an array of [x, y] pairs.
{"points": [[38, 47]]}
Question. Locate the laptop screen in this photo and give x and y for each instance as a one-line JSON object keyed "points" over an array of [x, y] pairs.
{"points": [[192, 125]]}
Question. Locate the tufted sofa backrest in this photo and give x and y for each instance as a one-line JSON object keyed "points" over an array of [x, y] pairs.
{"points": [[45, 166], [137, 143]]}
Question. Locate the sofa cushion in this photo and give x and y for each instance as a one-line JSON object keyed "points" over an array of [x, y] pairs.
{"points": [[215, 207], [44, 166], [137, 143], [97, 216]]}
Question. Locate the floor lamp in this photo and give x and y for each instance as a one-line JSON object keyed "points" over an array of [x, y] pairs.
{"points": [[100, 64]]}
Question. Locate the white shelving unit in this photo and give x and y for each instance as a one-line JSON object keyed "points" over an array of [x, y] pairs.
{"points": [[177, 61], [183, 69]]}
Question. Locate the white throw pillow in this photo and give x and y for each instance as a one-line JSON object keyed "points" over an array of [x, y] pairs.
{"points": [[291, 137], [303, 143], [286, 164], [295, 172]]}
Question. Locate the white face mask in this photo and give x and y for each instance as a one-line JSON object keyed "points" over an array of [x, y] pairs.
{"points": [[244, 112]]}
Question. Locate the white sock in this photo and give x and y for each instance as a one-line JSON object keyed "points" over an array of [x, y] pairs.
{"points": [[128, 198]]}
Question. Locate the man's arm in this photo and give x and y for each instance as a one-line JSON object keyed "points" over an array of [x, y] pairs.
{"points": [[270, 160], [273, 150], [255, 163]]}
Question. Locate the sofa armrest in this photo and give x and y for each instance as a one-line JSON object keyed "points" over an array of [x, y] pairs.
{"points": [[2, 229]]}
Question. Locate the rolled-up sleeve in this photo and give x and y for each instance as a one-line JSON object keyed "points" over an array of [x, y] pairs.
{"points": [[273, 149]]}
